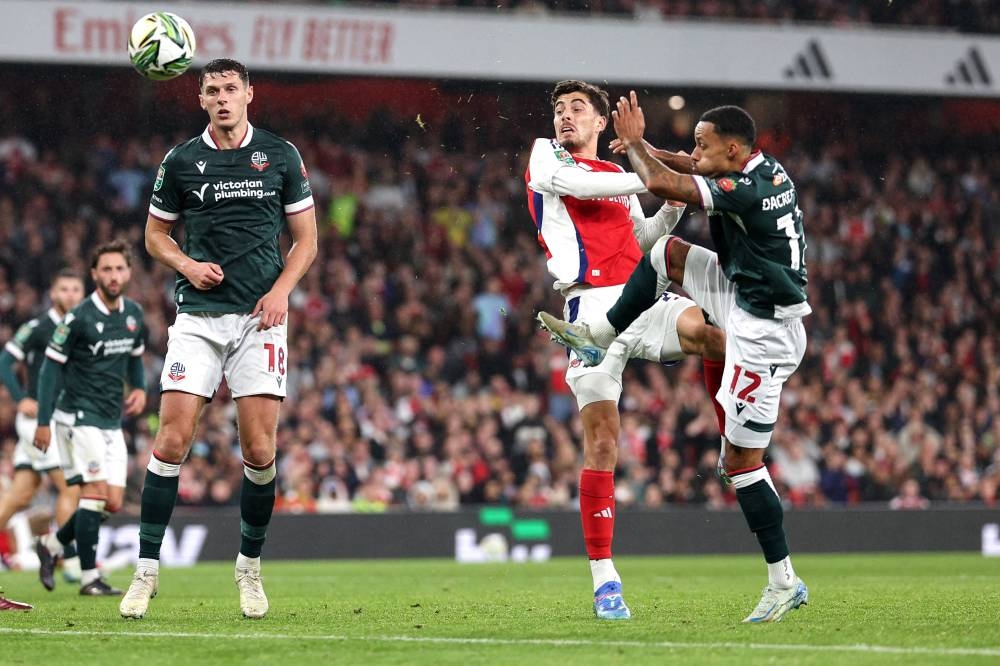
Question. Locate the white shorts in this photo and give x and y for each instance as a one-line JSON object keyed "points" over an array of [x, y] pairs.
{"points": [[760, 353], [653, 336], [94, 454], [202, 347], [26, 456]]}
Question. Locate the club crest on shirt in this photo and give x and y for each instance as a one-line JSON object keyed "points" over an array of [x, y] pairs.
{"points": [[259, 161], [131, 324]]}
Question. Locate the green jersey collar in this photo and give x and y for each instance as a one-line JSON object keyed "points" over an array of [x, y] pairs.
{"points": [[209, 139], [755, 160], [102, 307]]}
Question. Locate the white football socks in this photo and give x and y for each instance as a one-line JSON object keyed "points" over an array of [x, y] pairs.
{"points": [[602, 331], [244, 562], [603, 571], [148, 564], [781, 574]]}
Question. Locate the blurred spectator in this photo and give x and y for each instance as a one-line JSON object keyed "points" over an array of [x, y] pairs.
{"points": [[909, 497]]}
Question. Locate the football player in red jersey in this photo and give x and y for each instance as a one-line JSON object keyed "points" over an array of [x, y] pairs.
{"points": [[594, 232]]}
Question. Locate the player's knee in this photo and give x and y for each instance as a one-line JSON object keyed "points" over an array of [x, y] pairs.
{"points": [[741, 457], [259, 452], [172, 442], [713, 343], [677, 252]]}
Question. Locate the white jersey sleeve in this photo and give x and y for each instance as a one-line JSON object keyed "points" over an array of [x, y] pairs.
{"points": [[648, 229], [554, 171]]}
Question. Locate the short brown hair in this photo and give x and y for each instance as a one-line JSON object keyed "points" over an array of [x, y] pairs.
{"points": [[118, 245], [598, 97], [221, 65], [66, 274]]}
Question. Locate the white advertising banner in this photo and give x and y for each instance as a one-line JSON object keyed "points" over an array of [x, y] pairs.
{"points": [[511, 46]]}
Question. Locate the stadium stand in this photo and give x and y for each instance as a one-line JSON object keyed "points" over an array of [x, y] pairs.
{"points": [[419, 379]]}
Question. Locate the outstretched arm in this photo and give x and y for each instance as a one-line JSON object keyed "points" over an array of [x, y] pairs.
{"points": [[659, 179], [552, 170], [679, 161], [575, 182]]}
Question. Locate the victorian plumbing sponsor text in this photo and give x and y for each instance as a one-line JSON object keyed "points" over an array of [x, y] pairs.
{"points": [[233, 189]]}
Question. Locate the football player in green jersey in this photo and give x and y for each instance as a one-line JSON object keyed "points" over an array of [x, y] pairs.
{"points": [[91, 356], [754, 287], [233, 188], [28, 347]]}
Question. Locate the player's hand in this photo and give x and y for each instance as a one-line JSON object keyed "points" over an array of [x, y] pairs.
{"points": [[135, 402], [618, 148], [203, 275], [28, 407], [43, 436], [272, 308], [629, 121]]}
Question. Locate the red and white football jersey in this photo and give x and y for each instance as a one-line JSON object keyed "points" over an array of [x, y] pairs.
{"points": [[584, 216]]}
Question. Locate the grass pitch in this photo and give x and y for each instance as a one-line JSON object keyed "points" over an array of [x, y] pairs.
{"points": [[864, 609]]}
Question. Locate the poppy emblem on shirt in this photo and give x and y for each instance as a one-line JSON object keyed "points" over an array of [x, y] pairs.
{"points": [[727, 184], [259, 161]]}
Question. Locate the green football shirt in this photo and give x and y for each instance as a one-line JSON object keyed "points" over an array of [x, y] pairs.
{"points": [[29, 343], [94, 344], [232, 205], [757, 228]]}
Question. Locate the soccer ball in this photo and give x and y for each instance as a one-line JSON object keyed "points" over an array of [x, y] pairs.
{"points": [[161, 46]]}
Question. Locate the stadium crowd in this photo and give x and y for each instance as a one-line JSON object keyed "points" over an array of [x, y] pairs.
{"points": [[419, 379]]}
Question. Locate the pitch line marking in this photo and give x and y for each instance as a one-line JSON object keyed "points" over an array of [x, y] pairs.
{"points": [[554, 642]]}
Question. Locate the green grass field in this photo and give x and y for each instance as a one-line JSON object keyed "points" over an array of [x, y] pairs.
{"points": [[864, 609]]}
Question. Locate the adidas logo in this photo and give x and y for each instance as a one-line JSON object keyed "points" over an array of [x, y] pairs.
{"points": [[810, 64], [970, 70], [604, 513]]}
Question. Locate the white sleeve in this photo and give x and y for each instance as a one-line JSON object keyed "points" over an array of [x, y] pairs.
{"points": [[552, 170], [648, 230]]}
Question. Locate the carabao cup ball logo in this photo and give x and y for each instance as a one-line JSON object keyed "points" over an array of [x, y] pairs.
{"points": [[161, 46]]}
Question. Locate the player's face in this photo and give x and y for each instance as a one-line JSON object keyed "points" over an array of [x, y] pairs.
{"points": [[111, 275], [225, 97], [713, 154], [577, 122], [66, 293]]}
